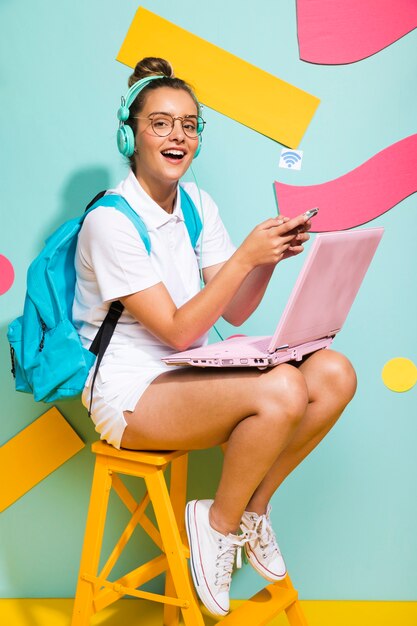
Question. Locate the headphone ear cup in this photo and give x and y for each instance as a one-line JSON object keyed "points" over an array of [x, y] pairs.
{"points": [[197, 152], [125, 140]]}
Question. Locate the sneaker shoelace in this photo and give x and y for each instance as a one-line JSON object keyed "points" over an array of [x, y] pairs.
{"points": [[229, 549], [266, 537]]}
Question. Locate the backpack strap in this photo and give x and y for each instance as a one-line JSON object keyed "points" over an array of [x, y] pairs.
{"points": [[120, 204], [191, 217], [102, 339], [94, 200]]}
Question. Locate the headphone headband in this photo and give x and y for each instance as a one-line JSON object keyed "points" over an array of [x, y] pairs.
{"points": [[123, 112], [138, 86]]}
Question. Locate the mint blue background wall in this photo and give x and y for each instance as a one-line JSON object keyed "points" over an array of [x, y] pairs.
{"points": [[346, 518]]}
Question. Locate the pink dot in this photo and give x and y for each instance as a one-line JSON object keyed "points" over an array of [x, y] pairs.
{"points": [[6, 274]]}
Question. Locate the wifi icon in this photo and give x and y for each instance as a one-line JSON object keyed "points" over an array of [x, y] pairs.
{"points": [[291, 159]]}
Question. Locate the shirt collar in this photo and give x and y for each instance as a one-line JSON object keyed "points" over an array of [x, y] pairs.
{"points": [[152, 214]]}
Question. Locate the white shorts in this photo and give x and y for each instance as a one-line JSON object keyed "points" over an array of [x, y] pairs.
{"points": [[119, 384]]}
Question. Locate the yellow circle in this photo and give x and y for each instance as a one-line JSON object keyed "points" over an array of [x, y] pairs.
{"points": [[399, 374]]}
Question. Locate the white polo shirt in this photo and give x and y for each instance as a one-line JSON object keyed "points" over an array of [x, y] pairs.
{"points": [[111, 261]]}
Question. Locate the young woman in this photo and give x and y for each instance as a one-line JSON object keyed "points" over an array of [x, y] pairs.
{"points": [[271, 419]]}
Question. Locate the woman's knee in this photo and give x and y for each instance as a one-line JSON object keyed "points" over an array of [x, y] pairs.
{"points": [[283, 394], [337, 373]]}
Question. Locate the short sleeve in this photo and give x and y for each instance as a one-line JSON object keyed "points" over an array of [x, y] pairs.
{"points": [[111, 252]]}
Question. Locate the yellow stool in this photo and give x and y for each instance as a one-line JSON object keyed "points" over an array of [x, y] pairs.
{"points": [[95, 591]]}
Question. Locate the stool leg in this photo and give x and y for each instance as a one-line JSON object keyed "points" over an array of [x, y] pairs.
{"points": [[174, 550], [83, 604], [294, 612], [171, 613], [295, 615], [178, 495]]}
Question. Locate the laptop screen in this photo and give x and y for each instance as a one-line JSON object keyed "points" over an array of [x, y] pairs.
{"points": [[326, 286]]}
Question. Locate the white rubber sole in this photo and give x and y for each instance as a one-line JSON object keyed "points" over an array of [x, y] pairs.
{"points": [[265, 573], [196, 568]]}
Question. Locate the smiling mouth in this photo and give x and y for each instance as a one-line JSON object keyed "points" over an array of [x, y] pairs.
{"points": [[176, 155]]}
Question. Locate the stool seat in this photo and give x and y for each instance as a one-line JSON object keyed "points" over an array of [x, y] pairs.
{"points": [[95, 590], [158, 458]]}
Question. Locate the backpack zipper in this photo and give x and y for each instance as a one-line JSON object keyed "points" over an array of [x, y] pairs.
{"points": [[13, 370], [42, 343]]}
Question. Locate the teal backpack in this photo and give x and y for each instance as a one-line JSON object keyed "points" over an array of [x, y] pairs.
{"points": [[48, 358]]}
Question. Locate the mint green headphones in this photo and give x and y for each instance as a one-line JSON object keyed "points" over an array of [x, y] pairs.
{"points": [[125, 137]]}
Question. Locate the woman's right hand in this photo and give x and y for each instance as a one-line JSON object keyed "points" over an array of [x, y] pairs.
{"points": [[269, 241]]}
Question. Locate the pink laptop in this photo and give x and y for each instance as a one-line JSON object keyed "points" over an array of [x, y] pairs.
{"points": [[315, 312]]}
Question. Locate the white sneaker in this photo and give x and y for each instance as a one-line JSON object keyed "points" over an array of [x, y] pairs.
{"points": [[262, 549], [212, 556]]}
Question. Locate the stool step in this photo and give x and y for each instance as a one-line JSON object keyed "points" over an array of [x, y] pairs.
{"points": [[122, 590], [134, 579], [261, 608]]}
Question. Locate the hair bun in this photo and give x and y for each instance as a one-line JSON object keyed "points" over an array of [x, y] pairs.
{"points": [[151, 66]]}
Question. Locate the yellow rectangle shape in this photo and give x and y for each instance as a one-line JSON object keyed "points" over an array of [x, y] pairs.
{"points": [[34, 453], [222, 80]]}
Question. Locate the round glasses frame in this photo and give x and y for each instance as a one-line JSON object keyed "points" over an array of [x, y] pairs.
{"points": [[163, 124]]}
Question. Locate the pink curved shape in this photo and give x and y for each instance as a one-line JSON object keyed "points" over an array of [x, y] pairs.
{"points": [[6, 274], [359, 196], [345, 31]]}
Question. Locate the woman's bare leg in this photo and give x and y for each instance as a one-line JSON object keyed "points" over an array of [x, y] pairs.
{"points": [[331, 383], [257, 412]]}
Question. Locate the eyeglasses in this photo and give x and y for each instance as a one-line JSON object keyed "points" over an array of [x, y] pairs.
{"points": [[163, 124]]}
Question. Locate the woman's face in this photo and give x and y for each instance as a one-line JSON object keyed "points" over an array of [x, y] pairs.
{"points": [[164, 159]]}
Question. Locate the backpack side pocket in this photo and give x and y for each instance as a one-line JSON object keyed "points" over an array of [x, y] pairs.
{"points": [[15, 337]]}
